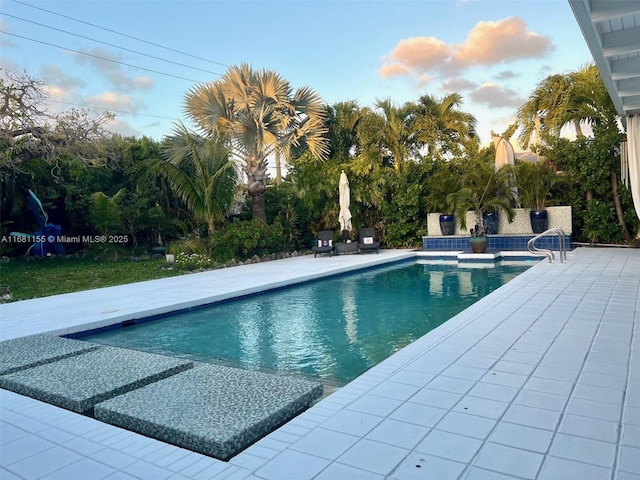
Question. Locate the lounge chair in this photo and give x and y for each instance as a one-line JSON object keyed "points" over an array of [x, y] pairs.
{"points": [[367, 240], [323, 243]]}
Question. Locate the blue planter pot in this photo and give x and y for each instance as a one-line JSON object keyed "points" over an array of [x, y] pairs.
{"points": [[447, 224], [491, 223], [539, 220]]}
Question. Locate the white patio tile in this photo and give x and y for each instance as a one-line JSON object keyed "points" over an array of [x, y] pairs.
{"points": [[481, 406], [598, 394], [467, 373], [292, 464], [419, 467], [397, 433], [557, 373], [493, 392], [589, 427], [325, 443], [375, 405], [631, 415], [86, 469], [631, 435], [450, 384], [7, 475], [514, 367], [629, 459], [475, 473], [418, 414], [114, 458], [508, 460], [449, 445], [589, 408], [396, 391], [352, 423], [44, 462], [418, 379], [469, 425], [626, 476], [23, 448], [548, 385], [520, 436], [504, 378], [338, 471], [436, 398], [584, 450], [548, 401], [476, 362], [602, 380], [532, 417], [376, 457], [563, 469], [11, 433]]}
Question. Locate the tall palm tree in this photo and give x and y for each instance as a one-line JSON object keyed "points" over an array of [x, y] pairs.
{"points": [[574, 98], [396, 131], [201, 173], [259, 114], [441, 125]]}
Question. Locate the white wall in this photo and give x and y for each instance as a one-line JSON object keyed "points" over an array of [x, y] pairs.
{"points": [[559, 217]]}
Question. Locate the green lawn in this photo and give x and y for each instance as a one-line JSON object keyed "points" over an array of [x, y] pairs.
{"points": [[25, 279]]}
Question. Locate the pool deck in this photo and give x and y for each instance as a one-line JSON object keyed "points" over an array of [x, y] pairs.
{"points": [[538, 380]]}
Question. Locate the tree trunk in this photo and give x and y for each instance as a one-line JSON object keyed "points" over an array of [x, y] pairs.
{"points": [[258, 209], [616, 200], [278, 168], [257, 177]]}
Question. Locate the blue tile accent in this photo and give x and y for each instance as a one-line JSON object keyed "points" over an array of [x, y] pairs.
{"points": [[496, 242]]}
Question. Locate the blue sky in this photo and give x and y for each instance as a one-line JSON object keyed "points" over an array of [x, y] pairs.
{"points": [[492, 52]]}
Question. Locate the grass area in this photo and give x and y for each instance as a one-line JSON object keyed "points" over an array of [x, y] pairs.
{"points": [[25, 279]]}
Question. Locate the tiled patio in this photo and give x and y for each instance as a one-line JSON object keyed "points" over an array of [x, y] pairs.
{"points": [[539, 380]]}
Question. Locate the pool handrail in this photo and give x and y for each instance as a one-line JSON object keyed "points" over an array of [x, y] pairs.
{"points": [[548, 253]]}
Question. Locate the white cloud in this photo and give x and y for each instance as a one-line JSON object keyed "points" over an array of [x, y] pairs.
{"points": [[496, 96], [107, 65]]}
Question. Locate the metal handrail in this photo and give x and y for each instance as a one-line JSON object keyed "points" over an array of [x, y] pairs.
{"points": [[548, 253]]}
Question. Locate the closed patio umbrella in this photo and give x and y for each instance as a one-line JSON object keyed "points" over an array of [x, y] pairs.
{"points": [[504, 152], [345, 201]]}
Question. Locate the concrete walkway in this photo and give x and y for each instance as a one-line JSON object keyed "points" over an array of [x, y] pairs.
{"points": [[538, 380]]}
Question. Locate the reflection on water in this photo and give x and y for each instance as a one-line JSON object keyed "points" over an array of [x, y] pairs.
{"points": [[334, 329]]}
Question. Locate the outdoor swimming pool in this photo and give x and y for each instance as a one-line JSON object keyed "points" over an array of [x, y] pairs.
{"points": [[333, 329]]}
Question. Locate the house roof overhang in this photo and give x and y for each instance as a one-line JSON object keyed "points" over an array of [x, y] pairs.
{"points": [[611, 29]]}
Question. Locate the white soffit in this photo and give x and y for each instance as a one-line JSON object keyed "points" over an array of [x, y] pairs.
{"points": [[611, 29]]}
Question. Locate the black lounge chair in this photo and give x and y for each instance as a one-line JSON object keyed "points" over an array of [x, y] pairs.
{"points": [[367, 240], [324, 243]]}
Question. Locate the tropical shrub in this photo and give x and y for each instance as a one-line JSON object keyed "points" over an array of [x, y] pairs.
{"points": [[240, 240]]}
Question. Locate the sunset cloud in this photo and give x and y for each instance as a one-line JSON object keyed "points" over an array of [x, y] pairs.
{"points": [[487, 44], [114, 101], [492, 43], [415, 56]]}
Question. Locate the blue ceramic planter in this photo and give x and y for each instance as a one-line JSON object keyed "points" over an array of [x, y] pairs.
{"points": [[539, 221], [447, 224]]}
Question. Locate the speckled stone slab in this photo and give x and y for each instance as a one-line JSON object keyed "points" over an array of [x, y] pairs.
{"points": [[78, 383], [26, 352], [211, 409]]}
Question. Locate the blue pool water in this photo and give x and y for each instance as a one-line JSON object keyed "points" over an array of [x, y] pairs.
{"points": [[334, 329]]}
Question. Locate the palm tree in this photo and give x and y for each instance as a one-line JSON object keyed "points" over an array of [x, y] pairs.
{"points": [[258, 114], [396, 131], [574, 98], [444, 127], [201, 173]]}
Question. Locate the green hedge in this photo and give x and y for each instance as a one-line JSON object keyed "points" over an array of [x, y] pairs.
{"points": [[242, 239]]}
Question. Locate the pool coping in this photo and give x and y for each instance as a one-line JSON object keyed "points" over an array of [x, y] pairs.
{"points": [[371, 427]]}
